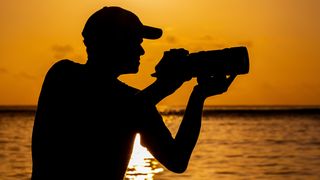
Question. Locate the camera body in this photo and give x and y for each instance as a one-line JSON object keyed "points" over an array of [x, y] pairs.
{"points": [[227, 61]]}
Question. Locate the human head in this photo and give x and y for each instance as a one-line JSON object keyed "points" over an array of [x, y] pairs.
{"points": [[116, 32]]}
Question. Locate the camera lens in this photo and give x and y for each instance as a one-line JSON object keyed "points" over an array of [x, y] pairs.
{"points": [[234, 60]]}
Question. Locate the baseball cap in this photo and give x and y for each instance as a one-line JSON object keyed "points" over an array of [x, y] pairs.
{"points": [[115, 21]]}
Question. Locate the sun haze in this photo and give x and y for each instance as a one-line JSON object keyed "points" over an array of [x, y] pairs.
{"points": [[282, 38]]}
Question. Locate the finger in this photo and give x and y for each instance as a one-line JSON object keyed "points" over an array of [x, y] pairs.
{"points": [[181, 51], [184, 51], [202, 79], [231, 78]]}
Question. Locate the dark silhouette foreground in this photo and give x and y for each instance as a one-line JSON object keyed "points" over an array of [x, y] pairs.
{"points": [[87, 119]]}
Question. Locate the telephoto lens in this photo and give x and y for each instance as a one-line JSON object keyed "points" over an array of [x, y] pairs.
{"points": [[227, 61]]}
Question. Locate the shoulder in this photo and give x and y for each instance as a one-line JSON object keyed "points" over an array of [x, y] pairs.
{"points": [[63, 69], [62, 74], [64, 65]]}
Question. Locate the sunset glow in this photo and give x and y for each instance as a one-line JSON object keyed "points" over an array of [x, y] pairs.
{"points": [[282, 38]]}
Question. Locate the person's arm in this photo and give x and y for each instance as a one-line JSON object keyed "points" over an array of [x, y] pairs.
{"points": [[174, 153], [159, 90], [190, 126]]}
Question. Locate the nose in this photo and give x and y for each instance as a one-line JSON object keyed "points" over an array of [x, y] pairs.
{"points": [[141, 50]]}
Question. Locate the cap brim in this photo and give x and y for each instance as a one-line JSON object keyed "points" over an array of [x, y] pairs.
{"points": [[149, 32]]}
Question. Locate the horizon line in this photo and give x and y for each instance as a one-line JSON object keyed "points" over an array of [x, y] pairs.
{"points": [[212, 105], [168, 108]]}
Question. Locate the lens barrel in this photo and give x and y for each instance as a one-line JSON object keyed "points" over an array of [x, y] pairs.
{"points": [[234, 60], [227, 61]]}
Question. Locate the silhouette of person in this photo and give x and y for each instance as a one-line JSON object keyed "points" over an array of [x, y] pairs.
{"points": [[87, 119]]}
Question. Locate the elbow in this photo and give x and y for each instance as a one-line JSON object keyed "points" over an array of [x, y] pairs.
{"points": [[179, 169], [178, 165], [176, 160]]}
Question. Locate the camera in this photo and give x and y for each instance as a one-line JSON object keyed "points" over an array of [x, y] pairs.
{"points": [[227, 61]]}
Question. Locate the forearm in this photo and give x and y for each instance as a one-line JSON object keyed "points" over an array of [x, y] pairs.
{"points": [[157, 91], [190, 126]]}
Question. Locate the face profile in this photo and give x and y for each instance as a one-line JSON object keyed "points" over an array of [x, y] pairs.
{"points": [[118, 34]]}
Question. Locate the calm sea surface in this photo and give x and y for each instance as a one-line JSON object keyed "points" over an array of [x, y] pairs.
{"points": [[235, 143]]}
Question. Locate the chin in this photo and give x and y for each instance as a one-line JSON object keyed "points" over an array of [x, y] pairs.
{"points": [[135, 71], [131, 71]]}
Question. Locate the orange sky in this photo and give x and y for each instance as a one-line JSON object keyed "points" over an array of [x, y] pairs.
{"points": [[282, 37]]}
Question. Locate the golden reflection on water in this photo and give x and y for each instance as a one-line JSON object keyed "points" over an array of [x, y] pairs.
{"points": [[142, 165]]}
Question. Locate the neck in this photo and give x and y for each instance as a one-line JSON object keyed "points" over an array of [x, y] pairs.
{"points": [[101, 70]]}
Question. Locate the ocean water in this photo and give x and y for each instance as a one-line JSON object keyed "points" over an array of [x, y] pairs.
{"points": [[235, 143]]}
